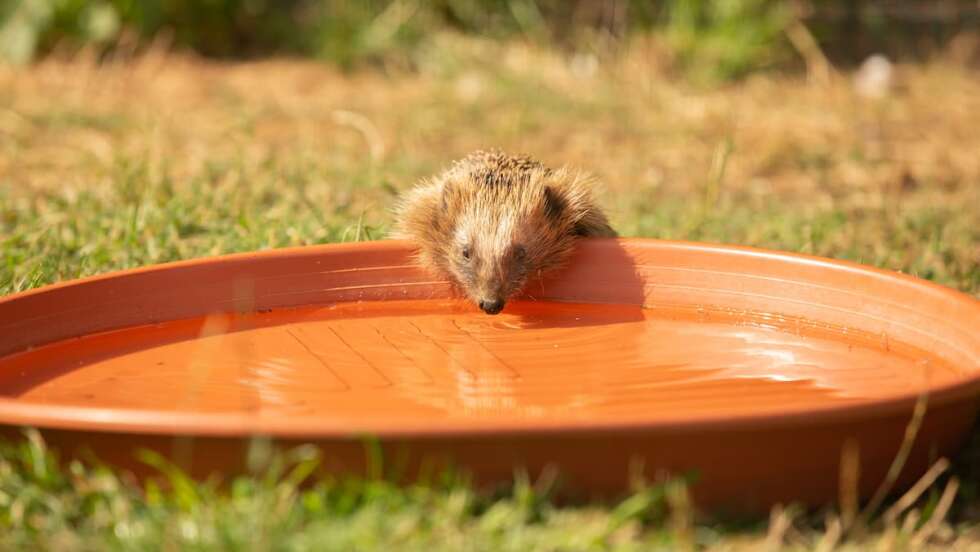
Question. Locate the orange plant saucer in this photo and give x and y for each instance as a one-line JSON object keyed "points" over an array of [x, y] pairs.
{"points": [[750, 368]]}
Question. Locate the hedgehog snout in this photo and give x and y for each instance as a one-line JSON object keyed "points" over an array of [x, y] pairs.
{"points": [[491, 306], [491, 291]]}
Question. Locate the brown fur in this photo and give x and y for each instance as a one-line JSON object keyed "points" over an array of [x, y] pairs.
{"points": [[493, 220]]}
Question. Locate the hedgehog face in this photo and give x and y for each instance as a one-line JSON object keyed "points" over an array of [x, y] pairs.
{"points": [[489, 271], [499, 243]]}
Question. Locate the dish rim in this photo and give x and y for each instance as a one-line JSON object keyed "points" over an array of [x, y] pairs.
{"points": [[220, 424]]}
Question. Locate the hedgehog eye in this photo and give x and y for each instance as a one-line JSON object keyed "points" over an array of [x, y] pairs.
{"points": [[466, 252], [519, 252]]}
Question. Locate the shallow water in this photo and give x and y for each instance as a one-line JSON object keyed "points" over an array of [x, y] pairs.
{"points": [[437, 360]]}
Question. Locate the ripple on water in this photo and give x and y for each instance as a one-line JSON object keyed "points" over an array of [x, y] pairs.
{"points": [[437, 360]]}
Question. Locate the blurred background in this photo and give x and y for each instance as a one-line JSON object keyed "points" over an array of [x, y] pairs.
{"points": [[718, 39], [134, 132]]}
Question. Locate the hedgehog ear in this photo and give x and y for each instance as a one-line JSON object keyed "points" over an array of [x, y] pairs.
{"points": [[554, 203]]}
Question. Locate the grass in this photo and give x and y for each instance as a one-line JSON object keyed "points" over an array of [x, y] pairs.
{"points": [[158, 158]]}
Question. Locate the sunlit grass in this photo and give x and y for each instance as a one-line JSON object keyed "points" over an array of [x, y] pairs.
{"points": [[286, 503]]}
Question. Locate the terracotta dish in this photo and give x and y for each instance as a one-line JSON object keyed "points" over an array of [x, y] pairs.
{"points": [[748, 368]]}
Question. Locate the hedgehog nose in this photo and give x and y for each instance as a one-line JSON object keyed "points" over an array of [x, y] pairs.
{"points": [[492, 306]]}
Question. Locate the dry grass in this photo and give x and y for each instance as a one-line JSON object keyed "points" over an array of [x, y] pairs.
{"points": [[893, 181], [158, 158]]}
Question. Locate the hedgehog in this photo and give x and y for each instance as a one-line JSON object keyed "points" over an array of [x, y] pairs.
{"points": [[493, 220]]}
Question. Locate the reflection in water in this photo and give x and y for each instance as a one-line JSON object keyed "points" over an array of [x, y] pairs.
{"points": [[429, 360]]}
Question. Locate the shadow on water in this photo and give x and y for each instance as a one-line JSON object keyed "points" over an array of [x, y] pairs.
{"points": [[601, 274]]}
